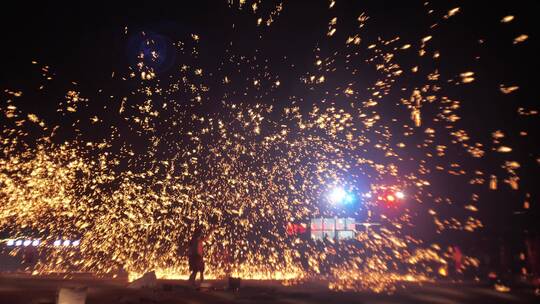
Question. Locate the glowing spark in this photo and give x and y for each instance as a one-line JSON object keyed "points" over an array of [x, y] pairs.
{"points": [[507, 19], [520, 38]]}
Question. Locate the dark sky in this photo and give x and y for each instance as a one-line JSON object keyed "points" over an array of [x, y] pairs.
{"points": [[85, 41], [66, 36]]}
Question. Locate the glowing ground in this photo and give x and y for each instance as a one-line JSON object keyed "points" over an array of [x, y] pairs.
{"points": [[15, 290]]}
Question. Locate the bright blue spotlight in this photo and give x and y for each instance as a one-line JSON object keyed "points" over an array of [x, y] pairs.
{"points": [[339, 195]]}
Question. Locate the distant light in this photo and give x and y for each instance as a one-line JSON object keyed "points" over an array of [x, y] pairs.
{"points": [[66, 243], [76, 243], [10, 242], [18, 243], [390, 198], [400, 195], [57, 243], [337, 195], [27, 243], [367, 194], [35, 243]]}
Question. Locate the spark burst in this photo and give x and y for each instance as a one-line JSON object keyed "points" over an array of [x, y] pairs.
{"points": [[176, 155]]}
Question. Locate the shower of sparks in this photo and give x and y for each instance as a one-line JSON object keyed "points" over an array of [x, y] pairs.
{"points": [[158, 163]]}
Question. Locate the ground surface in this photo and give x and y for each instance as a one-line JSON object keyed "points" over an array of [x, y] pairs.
{"points": [[18, 290]]}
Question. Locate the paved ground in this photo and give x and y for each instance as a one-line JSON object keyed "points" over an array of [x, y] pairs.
{"points": [[18, 290]]}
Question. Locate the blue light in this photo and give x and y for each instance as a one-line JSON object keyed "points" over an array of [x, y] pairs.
{"points": [[339, 195]]}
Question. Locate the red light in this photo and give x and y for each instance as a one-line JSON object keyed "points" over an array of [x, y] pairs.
{"points": [[295, 229]]}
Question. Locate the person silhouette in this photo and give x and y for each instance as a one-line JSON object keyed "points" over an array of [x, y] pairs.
{"points": [[195, 256]]}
